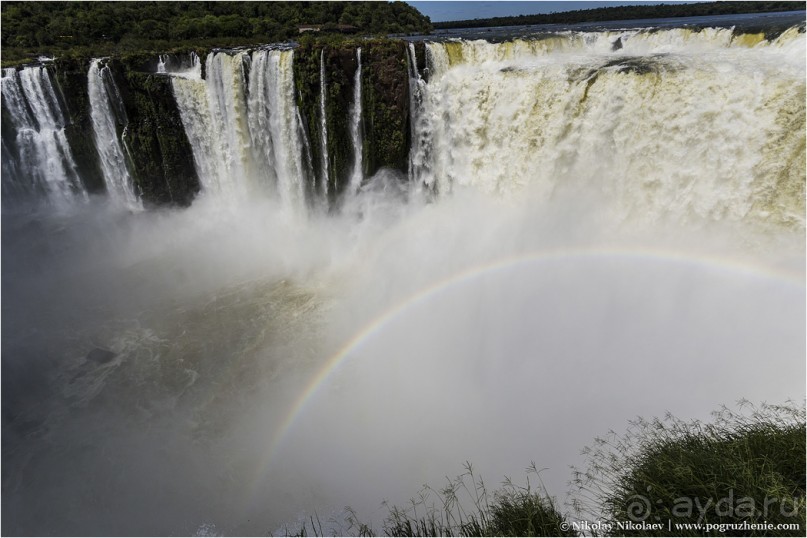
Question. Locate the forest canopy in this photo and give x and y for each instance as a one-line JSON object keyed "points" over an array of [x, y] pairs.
{"points": [[66, 24]]}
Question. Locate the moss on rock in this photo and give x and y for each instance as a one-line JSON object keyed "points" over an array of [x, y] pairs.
{"points": [[385, 105], [340, 67], [307, 91], [160, 155]]}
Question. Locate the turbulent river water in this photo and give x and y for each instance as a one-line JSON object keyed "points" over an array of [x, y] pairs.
{"points": [[595, 226]]}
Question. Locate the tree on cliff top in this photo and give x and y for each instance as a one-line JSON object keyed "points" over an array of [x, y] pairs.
{"points": [[45, 24]]}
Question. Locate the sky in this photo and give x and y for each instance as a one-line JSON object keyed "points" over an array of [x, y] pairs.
{"points": [[462, 10]]}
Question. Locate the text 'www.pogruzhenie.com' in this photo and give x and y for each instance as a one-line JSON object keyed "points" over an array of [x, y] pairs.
{"points": [[602, 527]]}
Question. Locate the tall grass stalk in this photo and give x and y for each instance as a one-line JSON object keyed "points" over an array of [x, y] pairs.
{"points": [[464, 507], [743, 470]]}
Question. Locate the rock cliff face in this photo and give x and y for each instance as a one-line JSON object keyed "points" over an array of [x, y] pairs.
{"points": [[340, 65], [386, 102], [385, 107], [160, 157], [71, 79]]}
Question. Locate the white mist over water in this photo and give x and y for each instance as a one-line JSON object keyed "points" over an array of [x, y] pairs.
{"points": [[583, 263]]}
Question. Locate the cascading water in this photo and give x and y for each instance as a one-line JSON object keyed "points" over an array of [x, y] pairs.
{"points": [[419, 154], [245, 134], [274, 123], [634, 123], [105, 111], [323, 125], [355, 127], [188, 67], [231, 144], [45, 162], [190, 92]]}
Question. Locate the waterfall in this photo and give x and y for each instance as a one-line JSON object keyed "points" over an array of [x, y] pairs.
{"points": [[309, 155], [323, 129], [419, 151], [261, 107], [43, 162], [191, 94], [226, 82], [274, 123], [105, 103], [189, 67], [675, 124], [355, 128], [245, 131], [196, 67], [213, 112], [191, 97], [588, 108]]}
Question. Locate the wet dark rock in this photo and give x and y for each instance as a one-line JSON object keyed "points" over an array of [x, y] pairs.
{"points": [[161, 157], [70, 76], [635, 65]]}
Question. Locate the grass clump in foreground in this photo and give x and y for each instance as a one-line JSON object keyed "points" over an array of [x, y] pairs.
{"points": [[741, 475], [464, 509]]}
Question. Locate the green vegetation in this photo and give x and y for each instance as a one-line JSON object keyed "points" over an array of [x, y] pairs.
{"points": [[465, 508], [106, 28], [619, 13], [340, 65], [385, 96], [744, 469], [385, 105]]}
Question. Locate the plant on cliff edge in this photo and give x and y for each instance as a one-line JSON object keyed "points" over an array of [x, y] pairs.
{"points": [[741, 473]]}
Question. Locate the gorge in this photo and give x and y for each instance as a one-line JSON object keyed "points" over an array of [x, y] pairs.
{"points": [[244, 286]]}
